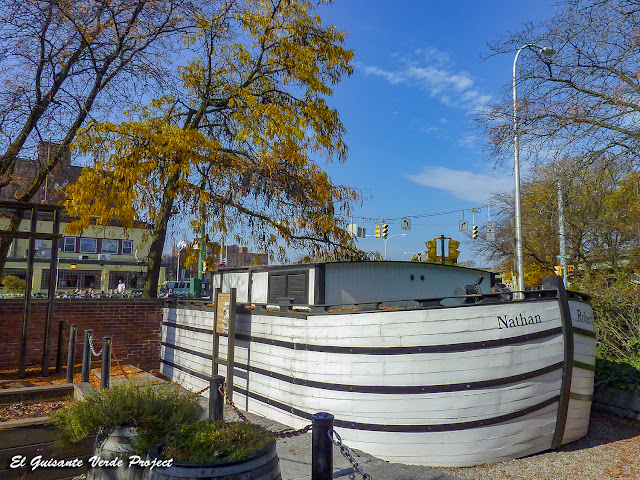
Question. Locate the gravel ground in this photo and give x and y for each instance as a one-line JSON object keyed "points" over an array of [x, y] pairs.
{"points": [[611, 449]]}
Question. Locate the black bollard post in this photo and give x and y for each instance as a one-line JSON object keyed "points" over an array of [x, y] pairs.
{"points": [[216, 400], [86, 356], [60, 352], [321, 447], [72, 352], [106, 362]]}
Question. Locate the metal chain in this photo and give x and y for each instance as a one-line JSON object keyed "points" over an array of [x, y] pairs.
{"points": [[292, 433], [97, 354], [225, 394], [197, 394], [281, 434], [346, 453]]}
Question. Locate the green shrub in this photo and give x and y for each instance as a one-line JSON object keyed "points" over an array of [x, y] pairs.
{"points": [[616, 309], [618, 374], [216, 442], [154, 410], [13, 284]]}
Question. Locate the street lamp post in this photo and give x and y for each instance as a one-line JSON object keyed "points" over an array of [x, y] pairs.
{"points": [[387, 239], [519, 250], [182, 245]]}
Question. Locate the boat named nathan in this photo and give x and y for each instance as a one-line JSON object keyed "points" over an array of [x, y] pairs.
{"points": [[412, 371], [519, 320]]}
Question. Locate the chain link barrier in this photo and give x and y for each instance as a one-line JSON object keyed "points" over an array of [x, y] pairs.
{"points": [[95, 354], [197, 394], [348, 454], [281, 434]]}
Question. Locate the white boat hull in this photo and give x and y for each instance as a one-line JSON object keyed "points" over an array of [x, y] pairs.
{"points": [[452, 386]]}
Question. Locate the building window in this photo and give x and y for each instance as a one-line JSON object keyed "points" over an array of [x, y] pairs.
{"points": [[127, 247], [88, 245], [132, 280], [70, 244], [109, 246], [68, 279]]}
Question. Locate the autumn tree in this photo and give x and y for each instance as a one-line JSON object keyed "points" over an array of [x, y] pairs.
{"points": [[238, 145], [63, 63], [601, 211], [582, 102]]}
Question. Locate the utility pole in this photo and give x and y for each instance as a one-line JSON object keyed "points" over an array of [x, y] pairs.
{"points": [[561, 234]]}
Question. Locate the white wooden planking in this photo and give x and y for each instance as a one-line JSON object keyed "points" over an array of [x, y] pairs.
{"points": [[405, 328]]}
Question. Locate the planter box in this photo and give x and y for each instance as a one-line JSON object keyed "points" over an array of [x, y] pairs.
{"points": [[625, 403], [33, 437]]}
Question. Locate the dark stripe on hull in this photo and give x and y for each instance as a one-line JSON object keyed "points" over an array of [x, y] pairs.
{"points": [[448, 348], [582, 331], [446, 427], [386, 389], [581, 397], [584, 366], [374, 427]]}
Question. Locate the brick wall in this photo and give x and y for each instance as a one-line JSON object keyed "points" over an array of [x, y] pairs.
{"points": [[134, 325]]}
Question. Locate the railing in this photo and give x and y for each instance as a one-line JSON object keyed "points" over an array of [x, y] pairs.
{"points": [[408, 304]]}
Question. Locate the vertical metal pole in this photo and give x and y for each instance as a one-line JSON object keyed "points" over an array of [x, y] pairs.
{"points": [[86, 356], [231, 342], [518, 237], [321, 446], [22, 361], [201, 253], [216, 400], [72, 352], [215, 351], [442, 237], [106, 362], [59, 354], [46, 350], [561, 234]]}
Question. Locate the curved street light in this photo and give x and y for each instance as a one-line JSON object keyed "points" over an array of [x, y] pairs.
{"points": [[387, 239], [182, 245], [518, 250]]}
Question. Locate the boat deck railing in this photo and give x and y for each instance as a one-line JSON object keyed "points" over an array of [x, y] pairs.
{"points": [[287, 306]]}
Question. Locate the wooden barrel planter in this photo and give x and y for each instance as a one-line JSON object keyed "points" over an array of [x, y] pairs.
{"points": [[115, 446], [264, 465]]}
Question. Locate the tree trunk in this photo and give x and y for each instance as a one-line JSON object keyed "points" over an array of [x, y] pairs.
{"points": [[158, 236]]}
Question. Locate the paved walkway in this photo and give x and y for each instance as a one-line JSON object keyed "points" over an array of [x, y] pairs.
{"points": [[295, 459]]}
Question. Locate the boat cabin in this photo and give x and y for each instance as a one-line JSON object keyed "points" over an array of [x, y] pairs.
{"points": [[343, 283]]}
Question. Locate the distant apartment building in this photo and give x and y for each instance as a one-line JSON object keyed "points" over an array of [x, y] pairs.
{"points": [[236, 256], [98, 258]]}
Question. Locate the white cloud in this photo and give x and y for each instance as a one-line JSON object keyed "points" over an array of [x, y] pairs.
{"points": [[433, 71], [466, 185]]}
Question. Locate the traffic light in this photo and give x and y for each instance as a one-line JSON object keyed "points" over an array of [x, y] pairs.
{"points": [[569, 270], [453, 252], [385, 230], [558, 270], [432, 253], [474, 232], [377, 231]]}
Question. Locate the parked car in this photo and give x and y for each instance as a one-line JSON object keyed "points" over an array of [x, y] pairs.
{"points": [[178, 289]]}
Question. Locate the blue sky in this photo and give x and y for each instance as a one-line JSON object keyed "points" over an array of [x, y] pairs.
{"points": [[418, 78]]}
